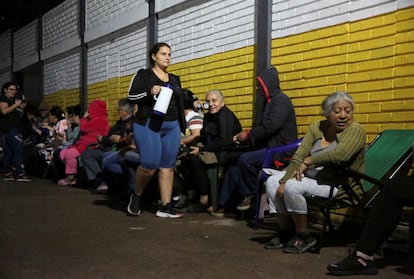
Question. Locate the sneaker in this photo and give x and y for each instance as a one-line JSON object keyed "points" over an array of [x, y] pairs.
{"points": [[245, 204], [353, 265], [197, 207], [8, 176], [168, 211], [274, 243], [298, 245], [218, 212], [134, 206], [102, 189], [22, 178], [182, 202]]}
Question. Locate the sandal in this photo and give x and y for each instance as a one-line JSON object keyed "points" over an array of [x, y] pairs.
{"points": [[65, 182], [274, 243]]}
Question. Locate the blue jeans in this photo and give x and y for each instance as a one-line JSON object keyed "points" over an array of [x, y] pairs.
{"points": [[114, 163], [13, 151], [241, 177]]}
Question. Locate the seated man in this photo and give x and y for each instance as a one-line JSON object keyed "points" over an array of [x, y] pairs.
{"points": [[276, 127], [219, 126], [113, 141], [383, 218]]}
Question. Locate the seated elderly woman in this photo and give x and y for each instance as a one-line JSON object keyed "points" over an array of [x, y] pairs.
{"points": [[327, 146]]}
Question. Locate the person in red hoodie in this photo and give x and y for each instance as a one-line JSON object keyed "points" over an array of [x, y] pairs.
{"points": [[94, 123]]}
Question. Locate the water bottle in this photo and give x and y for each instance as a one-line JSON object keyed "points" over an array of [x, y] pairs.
{"points": [[163, 100], [161, 106]]}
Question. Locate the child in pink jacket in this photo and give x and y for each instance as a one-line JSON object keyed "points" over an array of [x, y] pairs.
{"points": [[94, 123]]}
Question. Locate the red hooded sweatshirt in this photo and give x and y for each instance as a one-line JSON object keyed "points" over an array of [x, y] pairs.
{"points": [[97, 124]]}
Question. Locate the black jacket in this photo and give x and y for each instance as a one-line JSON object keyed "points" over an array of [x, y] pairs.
{"points": [[140, 93], [122, 127], [277, 125], [218, 130]]}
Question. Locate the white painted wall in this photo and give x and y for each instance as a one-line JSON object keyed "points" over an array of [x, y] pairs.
{"points": [[298, 16], [25, 51], [62, 74], [121, 56], [5, 51], [210, 27]]}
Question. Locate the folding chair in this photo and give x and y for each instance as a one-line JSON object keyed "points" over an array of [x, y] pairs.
{"points": [[261, 197], [384, 158]]}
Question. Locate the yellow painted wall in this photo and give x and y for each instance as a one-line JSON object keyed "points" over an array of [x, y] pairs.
{"points": [[232, 72], [372, 59], [63, 98]]}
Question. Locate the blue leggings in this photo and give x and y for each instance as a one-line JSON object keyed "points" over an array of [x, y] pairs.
{"points": [[158, 149]]}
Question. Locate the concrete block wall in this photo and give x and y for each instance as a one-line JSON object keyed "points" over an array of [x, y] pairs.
{"points": [[212, 48], [103, 11], [61, 77], [318, 47], [111, 65], [60, 24], [5, 57], [114, 57], [365, 49], [25, 46]]}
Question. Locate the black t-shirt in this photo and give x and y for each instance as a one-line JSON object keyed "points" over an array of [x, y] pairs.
{"points": [[12, 119]]}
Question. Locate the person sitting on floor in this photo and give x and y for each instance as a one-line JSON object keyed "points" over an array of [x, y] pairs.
{"points": [[94, 123], [327, 146]]}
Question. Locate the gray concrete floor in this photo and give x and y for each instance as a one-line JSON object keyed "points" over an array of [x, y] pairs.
{"points": [[48, 231]]}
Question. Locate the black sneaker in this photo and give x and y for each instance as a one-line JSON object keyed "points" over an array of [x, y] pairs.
{"points": [[298, 245], [134, 206], [353, 265], [182, 202], [245, 204], [197, 207], [219, 212], [274, 243], [168, 211]]}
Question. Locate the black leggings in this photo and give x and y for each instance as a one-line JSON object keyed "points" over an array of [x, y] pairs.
{"points": [[386, 213]]}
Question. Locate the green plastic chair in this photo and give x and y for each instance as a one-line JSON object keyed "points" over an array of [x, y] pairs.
{"points": [[387, 153], [385, 157]]}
